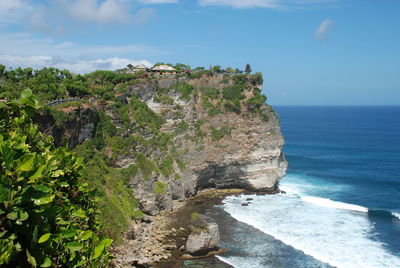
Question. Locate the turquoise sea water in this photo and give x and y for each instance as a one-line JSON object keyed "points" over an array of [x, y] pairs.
{"points": [[342, 201]]}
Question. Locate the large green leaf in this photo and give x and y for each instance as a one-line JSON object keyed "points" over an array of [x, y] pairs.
{"points": [[31, 259], [68, 234], [57, 173], [37, 174], [86, 235], [25, 163], [22, 215], [46, 262], [12, 215], [98, 250], [8, 155], [44, 238], [44, 200], [74, 246], [29, 99]]}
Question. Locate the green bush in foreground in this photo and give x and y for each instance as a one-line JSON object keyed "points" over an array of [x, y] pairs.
{"points": [[47, 213]]}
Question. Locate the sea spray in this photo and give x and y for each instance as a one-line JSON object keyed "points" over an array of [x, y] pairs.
{"points": [[340, 237]]}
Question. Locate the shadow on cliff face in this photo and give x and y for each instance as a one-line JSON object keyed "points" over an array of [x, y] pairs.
{"points": [[230, 176]]}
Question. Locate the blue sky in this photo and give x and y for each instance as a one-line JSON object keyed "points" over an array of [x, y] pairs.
{"points": [[311, 52]]}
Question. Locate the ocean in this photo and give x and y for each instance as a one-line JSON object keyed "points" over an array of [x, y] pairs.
{"points": [[342, 201]]}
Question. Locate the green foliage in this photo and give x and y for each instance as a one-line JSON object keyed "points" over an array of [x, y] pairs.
{"points": [[247, 70], [197, 223], [105, 128], [180, 164], [164, 99], [59, 116], [195, 216], [256, 79], [218, 134], [217, 68], [181, 67], [211, 92], [51, 83], [167, 166], [229, 70], [47, 212], [116, 201], [159, 187], [2, 69], [145, 165], [184, 89], [144, 117], [256, 104], [181, 127], [233, 92]]}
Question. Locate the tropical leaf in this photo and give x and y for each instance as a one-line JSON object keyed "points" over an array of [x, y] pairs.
{"points": [[46, 262], [25, 163], [44, 238]]}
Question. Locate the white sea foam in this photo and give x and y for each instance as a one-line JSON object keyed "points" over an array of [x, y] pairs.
{"points": [[238, 262], [333, 204], [396, 214], [332, 232]]}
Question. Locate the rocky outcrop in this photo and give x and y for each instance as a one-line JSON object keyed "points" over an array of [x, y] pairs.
{"points": [[250, 157], [204, 241], [79, 124]]}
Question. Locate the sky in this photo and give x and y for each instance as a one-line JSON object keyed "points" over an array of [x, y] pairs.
{"points": [[311, 52]]}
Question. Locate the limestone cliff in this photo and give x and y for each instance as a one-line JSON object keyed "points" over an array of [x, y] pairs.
{"points": [[226, 149], [221, 135]]}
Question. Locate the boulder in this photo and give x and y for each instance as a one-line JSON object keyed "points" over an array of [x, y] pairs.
{"points": [[205, 240]]}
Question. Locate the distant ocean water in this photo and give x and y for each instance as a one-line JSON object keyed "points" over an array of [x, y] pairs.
{"points": [[342, 201]]}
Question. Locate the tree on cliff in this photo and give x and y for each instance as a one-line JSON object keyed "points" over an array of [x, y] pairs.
{"points": [[2, 69], [48, 216], [248, 69]]}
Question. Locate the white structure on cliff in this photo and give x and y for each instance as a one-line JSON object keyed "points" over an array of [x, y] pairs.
{"points": [[164, 68]]}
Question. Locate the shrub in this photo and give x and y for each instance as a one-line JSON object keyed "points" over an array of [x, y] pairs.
{"points": [[211, 92], [256, 79], [146, 166], [233, 92], [166, 167], [217, 134], [159, 187], [48, 215], [184, 89], [181, 127]]}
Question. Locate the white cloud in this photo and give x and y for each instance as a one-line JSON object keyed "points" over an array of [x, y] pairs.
{"points": [[38, 22], [277, 4], [323, 29], [23, 49], [241, 3], [144, 15], [74, 65], [12, 10], [107, 11], [26, 44], [158, 1]]}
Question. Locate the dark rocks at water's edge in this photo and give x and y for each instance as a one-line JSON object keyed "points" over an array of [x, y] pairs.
{"points": [[204, 263]]}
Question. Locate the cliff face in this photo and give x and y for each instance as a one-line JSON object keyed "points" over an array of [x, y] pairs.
{"points": [[217, 139], [80, 125]]}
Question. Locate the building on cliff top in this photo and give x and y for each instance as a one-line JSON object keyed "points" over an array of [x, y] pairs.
{"points": [[137, 68], [163, 68]]}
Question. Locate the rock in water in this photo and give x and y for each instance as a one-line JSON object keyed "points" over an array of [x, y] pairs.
{"points": [[206, 240]]}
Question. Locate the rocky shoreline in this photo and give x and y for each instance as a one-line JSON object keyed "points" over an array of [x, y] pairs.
{"points": [[160, 241]]}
